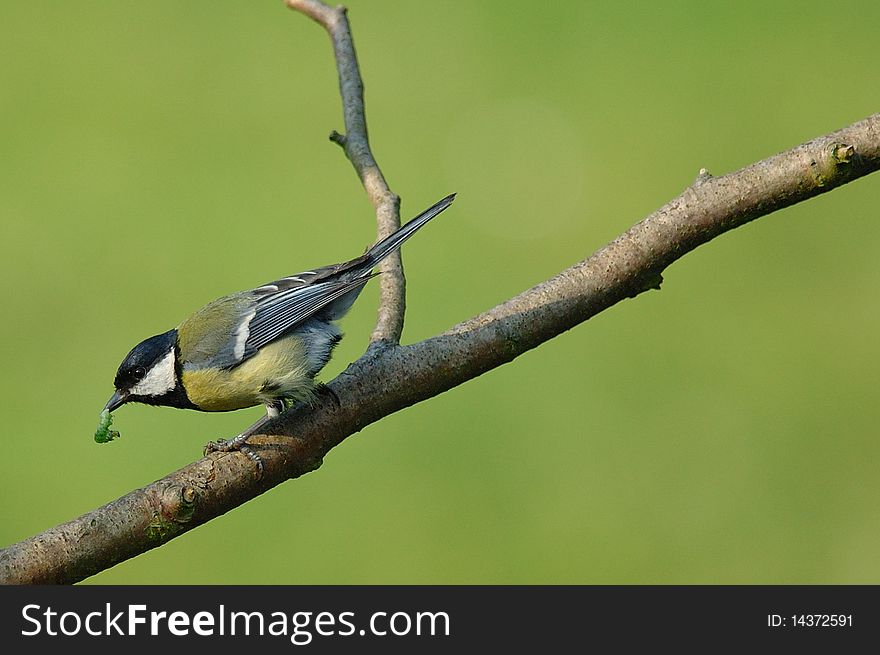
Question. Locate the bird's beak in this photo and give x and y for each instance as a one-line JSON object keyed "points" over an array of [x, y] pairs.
{"points": [[116, 400]]}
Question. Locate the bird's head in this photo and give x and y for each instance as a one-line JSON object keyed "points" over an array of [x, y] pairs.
{"points": [[149, 374]]}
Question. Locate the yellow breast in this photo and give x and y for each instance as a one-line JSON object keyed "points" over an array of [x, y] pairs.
{"points": [[278, 370]]}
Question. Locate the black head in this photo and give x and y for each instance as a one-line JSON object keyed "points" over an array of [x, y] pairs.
{"points": [[142, 358], [149, 374]]}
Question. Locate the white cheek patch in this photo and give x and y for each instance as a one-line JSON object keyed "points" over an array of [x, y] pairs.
{"points": [[159, 380]]}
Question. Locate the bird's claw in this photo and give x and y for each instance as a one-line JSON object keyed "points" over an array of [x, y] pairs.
{"points": [[239, 444]]}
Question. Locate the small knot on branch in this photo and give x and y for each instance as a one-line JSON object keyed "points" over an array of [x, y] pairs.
{"points": [[177, 502], [338, 139], [843, 152], [703, 176], [652, 282]]}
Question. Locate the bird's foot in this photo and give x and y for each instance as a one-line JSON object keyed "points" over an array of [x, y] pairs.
{"points": [[240, 444]]}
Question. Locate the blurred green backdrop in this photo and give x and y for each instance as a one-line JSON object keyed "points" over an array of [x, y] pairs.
{"points": [[158, 155]]}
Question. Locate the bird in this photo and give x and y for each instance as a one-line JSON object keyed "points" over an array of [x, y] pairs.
{"points": [[261, 346]]}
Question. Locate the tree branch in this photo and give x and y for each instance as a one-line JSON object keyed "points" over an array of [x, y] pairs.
{"points": [[355, 142], [386, 380]]}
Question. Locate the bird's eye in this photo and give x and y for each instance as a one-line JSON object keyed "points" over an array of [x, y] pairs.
{"points": [[139, 372]]}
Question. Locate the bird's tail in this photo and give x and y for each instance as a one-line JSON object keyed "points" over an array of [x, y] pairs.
{"points": [[391, 243]]}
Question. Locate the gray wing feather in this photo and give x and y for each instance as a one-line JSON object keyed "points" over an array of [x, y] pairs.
{"points": [[279, 312], [328, 291]]}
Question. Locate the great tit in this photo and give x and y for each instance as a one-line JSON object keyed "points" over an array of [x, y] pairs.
{"points": [[262, 346]]}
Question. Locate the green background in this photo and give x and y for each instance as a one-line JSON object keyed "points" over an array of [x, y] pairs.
{"points": [[154, 156]]}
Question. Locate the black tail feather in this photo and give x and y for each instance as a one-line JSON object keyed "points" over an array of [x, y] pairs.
{"points": [[391, 243]]}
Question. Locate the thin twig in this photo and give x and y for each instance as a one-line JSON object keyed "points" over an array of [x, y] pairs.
{"points": [[372, 388], [355, 142]]}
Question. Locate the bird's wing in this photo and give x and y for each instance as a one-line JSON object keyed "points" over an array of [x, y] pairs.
{"points": [[232, 329], [277, 311]]}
